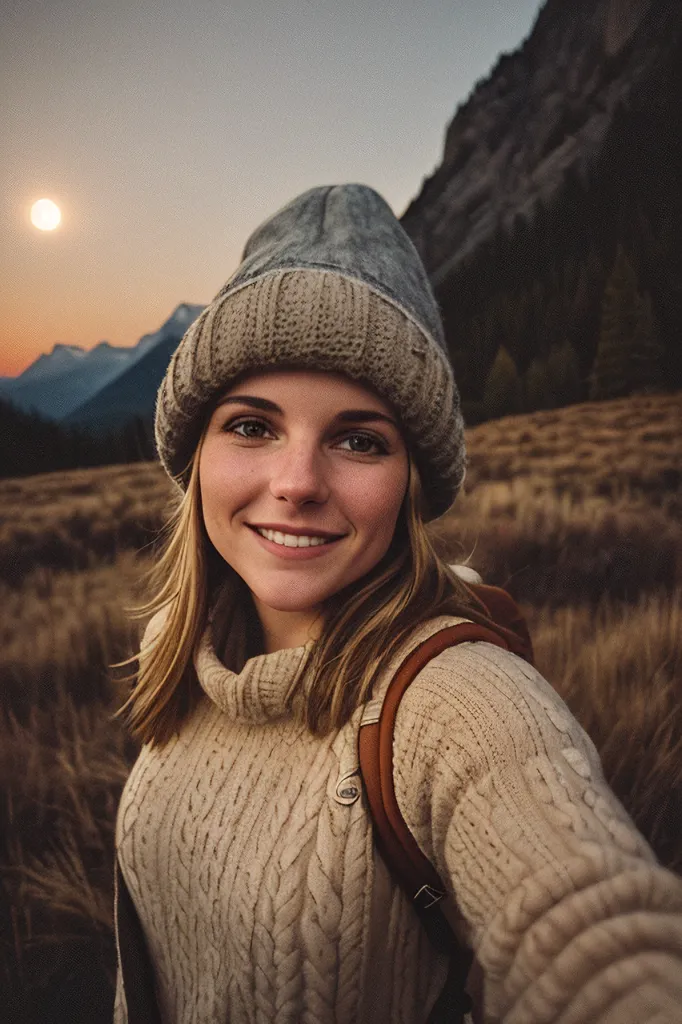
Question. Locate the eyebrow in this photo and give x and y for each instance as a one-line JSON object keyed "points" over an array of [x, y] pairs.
{"points": [[347, 416]]}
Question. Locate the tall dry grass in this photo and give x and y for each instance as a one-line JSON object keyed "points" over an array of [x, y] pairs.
{"points": [[576, 512], [78, 519]]}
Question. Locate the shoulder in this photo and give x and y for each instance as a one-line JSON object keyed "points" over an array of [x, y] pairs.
{"points": [[482, 740], [491, 704]]}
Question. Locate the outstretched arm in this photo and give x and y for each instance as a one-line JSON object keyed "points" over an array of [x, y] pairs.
{"points": [[570, 915]]}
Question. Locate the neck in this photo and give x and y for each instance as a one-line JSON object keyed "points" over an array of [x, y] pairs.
{"points": [[243, 628], [284, 630]]}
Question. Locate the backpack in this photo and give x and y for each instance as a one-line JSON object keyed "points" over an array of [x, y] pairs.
{"points": [[500, 622]]}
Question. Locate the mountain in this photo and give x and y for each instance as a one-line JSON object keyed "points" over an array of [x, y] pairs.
{"points": [[61, 359], [59, 384], [551, 231], [132, 392], [56, 383], [561, 178], [175, 326]]}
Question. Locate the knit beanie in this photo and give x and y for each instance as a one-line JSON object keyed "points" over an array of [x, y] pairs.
{"points": [[330, 282]]}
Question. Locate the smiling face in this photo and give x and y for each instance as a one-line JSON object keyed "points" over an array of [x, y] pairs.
{"points": [[309, 466]]}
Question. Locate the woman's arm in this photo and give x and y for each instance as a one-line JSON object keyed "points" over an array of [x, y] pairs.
{"points": [[570, 915]]}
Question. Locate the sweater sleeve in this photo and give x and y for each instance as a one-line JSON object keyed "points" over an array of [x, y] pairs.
{"points": [[570, 915]]}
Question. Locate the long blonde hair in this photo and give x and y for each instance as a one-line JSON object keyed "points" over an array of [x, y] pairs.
{"points": [[363, 624]]}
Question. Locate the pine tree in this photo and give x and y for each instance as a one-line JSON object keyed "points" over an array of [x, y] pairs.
{"points": [[503, 393], [629, 357], [648, 356], [537, 387], [563, 375]]}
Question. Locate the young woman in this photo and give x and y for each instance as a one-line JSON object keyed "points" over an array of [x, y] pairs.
{"points": [[312, 424]]}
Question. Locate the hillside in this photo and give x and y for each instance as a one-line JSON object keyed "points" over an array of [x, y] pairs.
{"points": [[566, 160], [577, 512]]}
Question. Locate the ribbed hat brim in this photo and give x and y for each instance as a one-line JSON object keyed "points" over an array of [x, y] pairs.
{"points": [[317, 320]]}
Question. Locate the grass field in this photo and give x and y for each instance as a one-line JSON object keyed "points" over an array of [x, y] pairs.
{"points": [[577, 512]]}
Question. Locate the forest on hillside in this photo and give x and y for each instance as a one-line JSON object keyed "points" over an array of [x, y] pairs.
{"points": [[31, 444], [578, 295]]}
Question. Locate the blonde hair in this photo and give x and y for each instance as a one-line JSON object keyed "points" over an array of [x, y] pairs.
{"points": [[363, 624]]}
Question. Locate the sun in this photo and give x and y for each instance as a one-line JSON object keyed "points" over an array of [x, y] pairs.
{"points": [[45, 215]]}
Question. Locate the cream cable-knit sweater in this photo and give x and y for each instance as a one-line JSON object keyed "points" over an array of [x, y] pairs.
{"points": [[262, 899]]}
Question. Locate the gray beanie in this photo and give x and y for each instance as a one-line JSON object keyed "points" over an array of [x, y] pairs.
{"points": [[330, 282]]}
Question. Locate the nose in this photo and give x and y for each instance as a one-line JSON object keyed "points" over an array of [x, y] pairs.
{"points": [[298, 474]]}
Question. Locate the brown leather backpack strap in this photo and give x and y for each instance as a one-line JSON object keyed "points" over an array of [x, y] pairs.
{"points": [[405, 860], [506, 618], [400, 851]]}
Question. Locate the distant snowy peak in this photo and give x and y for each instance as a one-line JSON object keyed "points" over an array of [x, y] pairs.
{"points": [[185, 314], [64, 358], [76, 350], [133, 391], [174, 327], [57, 384], [61, 359], [106, 352]]}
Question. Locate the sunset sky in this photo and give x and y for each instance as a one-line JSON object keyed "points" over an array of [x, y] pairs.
{"points": [[167, 132]]}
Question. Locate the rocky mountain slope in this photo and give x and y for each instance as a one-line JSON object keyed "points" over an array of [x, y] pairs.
{"points": [[568, 150]]}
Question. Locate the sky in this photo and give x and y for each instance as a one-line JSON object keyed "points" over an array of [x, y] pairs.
{"points": [[167, 132]]}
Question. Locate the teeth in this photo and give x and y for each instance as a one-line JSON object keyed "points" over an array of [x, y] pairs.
{"points": [[291, 541]]}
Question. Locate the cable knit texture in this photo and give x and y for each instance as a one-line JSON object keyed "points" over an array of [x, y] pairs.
{"points": [[263, 900]]}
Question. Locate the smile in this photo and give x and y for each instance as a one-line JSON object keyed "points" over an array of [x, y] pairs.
{"points": [[290, 546], [291, 540]]}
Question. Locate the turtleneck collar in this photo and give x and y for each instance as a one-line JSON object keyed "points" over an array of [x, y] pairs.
{"points": [[256, 694]]}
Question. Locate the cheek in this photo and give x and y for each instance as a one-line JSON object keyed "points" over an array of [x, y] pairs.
{"points": [[218, 491], [221, 476], [380, 500]]}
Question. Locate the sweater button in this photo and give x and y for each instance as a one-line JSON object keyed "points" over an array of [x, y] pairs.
{"points": [[346, 792]]}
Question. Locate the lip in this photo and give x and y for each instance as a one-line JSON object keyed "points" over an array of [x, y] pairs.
{"points": [[297, 531], [299, 554]]}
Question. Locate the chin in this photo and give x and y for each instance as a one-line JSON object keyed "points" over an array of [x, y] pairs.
{"points": [[283, 600]]}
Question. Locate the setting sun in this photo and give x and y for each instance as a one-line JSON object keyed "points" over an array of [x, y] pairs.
{"points": [[45, 215]]}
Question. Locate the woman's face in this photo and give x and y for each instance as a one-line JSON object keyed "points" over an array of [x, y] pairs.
{"points": [[285, 449]]}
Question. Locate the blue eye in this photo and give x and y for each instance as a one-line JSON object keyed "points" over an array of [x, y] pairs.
{"points": [[234, 425]]}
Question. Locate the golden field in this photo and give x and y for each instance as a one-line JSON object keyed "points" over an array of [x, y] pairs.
{"points": [[577, 512]]}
